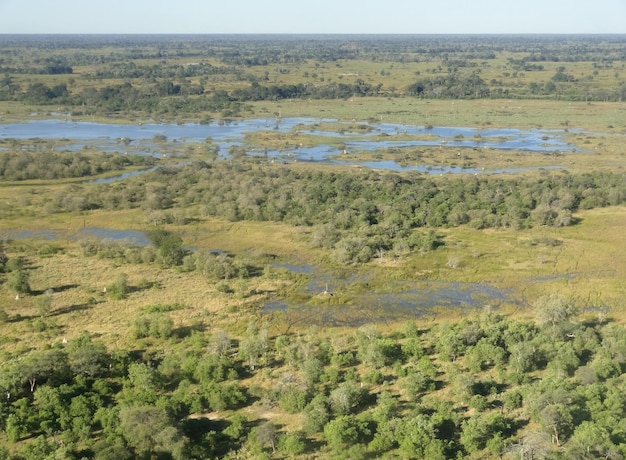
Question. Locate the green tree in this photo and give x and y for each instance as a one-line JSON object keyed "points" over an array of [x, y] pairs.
{"points": [[553, 309], [149, 431], [50, 408], [87, 356], [169, 247], [590, 441], [316, 414], [119, 288], [141, 384], [292, 443], [344, 431], [112, 450], [415, 434], [44, 366], [19, 281], [44, 303], [237, 428], [39, 449]]}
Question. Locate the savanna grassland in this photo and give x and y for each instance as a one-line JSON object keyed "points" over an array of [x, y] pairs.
{"points": [[275, 308]]}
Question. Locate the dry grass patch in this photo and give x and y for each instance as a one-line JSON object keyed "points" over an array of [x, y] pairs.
{"points": [[584, 262], [80, 302]]}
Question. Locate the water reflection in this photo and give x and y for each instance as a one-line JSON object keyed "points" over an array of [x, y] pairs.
{"points": [[400, 301], [421, 301]]}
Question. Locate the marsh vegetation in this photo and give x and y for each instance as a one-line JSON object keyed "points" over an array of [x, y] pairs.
{"points": [[263, 307]]}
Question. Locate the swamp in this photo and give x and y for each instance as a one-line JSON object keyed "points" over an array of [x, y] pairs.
{"points": [[309, 247]]}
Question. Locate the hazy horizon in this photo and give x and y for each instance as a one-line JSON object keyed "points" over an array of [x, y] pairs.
{"points": [[324, 17]]}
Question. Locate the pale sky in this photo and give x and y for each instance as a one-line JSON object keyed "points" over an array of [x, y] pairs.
{"points": [[315, 17]]}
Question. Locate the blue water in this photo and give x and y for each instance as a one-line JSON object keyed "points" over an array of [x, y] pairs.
{"points": [[416, 299], [133, 236], [140, 139], [109, 180]]}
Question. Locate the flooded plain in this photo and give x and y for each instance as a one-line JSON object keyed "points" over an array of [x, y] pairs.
{"points": [[405, 300], [402, 300], [221, 136]]}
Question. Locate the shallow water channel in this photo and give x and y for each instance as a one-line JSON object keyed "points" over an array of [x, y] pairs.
{"points": [[143, 139], [418, 299], [402, 301]]}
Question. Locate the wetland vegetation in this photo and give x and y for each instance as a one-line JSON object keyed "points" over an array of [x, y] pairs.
{"points": [[202, 258]]}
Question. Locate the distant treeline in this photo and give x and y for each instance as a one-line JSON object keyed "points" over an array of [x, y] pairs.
{"points": [[220, 73], [166, 96]]}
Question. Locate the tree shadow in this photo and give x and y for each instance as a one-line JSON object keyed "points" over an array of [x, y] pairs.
{"points": [[70, 309], [19, 318], [63, 288], [186, 331], [145, 286], [196, 428]]}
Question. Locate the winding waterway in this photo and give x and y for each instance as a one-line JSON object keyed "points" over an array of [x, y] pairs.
{"points": [[169, 139]]}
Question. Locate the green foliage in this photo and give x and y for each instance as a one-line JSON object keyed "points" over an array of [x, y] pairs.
{"points": [[168, 246], [43, 303], [316, 414], [478, 430], [118, 289], [157, 325], [292, 398], [73, 393], [24, 165], [292, 443], [416, 383], [18, 281], [87, 356], [416, 434], [237, 428], [148, 431], [223, 396], [554, 309], [163, 308], [344, 431], [141, 385]]}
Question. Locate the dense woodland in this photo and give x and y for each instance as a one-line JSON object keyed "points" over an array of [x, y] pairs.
{"points": [[354, 214], [544, 383]]}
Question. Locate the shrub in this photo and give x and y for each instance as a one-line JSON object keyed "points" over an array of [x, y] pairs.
{"points": [[18, 281], [119, 288], [156, 325], [291, 444]]}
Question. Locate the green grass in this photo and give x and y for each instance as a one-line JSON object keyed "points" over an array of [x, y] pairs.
{"points": [[483, 113], [585, 266]]}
